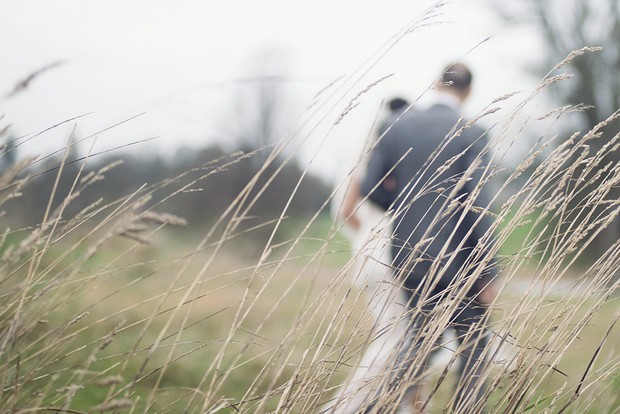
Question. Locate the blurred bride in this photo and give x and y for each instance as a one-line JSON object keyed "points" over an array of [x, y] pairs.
{"points": [[367, 226]]}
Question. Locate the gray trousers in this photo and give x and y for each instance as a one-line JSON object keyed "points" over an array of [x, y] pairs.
{"points": [[419, 347]]}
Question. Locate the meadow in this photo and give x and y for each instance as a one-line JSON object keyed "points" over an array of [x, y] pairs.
{"points": [[121, 306], [181, 325]]}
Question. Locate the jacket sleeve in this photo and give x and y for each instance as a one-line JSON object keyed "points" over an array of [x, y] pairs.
{"points": [[378, 167]]}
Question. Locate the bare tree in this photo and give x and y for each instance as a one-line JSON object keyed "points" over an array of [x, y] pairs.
{"points": [[568, 25], [260, 103], [565, 26]]}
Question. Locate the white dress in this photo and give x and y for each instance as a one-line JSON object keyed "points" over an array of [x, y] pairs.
{"points": [[384, 300]]}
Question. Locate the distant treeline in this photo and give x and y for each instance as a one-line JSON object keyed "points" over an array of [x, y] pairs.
{"points": [[198, 185]]}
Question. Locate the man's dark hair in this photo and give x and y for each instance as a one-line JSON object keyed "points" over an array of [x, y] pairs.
{"points": [[456, 76], [396, 104]]}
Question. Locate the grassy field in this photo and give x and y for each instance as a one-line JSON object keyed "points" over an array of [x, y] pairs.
{"points": [[109, 310], [166, 327]]}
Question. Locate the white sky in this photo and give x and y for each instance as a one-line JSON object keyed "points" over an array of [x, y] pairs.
{"points": [[177, 61]]}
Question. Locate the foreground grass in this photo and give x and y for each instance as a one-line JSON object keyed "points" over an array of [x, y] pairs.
{"points": [[129, 334], [102, 310], [132, 319]]}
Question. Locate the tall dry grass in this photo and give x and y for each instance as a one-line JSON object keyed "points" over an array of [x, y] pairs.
{"points": [[104, 311]]}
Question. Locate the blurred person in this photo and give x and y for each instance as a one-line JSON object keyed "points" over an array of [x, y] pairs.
{"points": [[440, 256], [367, 227], [397, 106]]}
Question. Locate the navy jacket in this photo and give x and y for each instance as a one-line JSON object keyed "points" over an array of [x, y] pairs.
{"points": [[437, 164]]}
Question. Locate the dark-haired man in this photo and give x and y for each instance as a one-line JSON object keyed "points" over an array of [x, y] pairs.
{"points": [[441, 239]]}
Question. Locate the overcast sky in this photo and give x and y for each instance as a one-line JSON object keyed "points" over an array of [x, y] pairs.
{"points": [[181, 63]]}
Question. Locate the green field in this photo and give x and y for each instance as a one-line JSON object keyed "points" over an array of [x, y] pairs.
{"points": [[173, 326]]}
